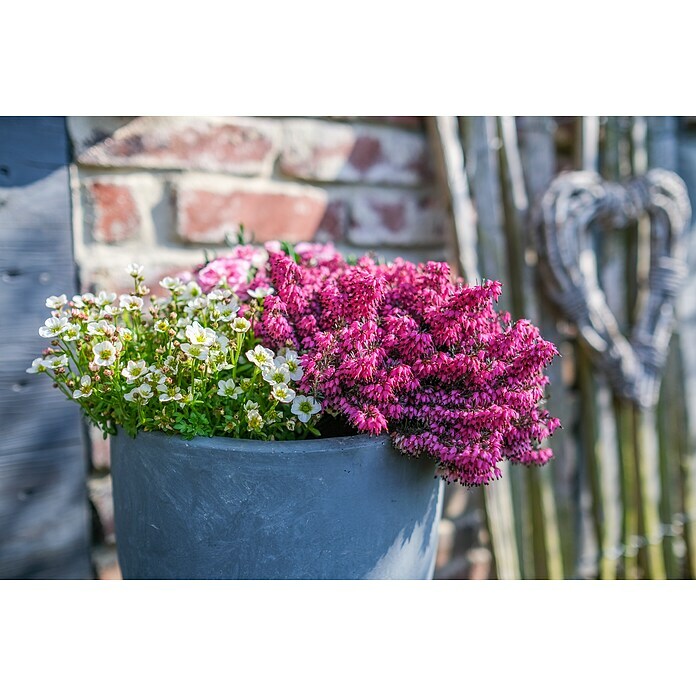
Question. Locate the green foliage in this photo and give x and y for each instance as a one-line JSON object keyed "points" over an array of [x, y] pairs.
{"points": [[188, 364]]}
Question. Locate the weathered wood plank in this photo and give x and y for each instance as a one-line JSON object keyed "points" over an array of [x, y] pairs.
{"points": [[686, 313], [44, 530], [43, 516], [511, 528], [546, 544], [444, 137]]}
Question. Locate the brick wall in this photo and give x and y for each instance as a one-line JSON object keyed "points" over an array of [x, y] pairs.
{"points": [[161, 190]]}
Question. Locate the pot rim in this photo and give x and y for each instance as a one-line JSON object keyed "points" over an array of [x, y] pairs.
{"points": [[234, 444]]}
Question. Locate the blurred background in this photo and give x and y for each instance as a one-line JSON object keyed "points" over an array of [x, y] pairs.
{"points": [[81, 197]]}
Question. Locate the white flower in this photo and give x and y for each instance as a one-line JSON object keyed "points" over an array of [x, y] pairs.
{"points": [[131, 302], [219, 294], [197, 303], [191, 290], [240, 325], [195, 351], [85, 387], [200, 336], [250, 406], [260, 293], [254, 419], [154, 375], [140, 394], [260, 356], [161, 326], [169, 283], [283, 393], [134, 370], [54, 326], [227, 388], [134, 270], [218, 353], [56, 301], [53, 362], [71, 333], [104, 353], [37, 365], [125, 333], [290, 424], [276, 375], [291, 362], [221, 342], [105, 298], [100, 328], [110, 311], [171, 362], [304, 407], [169, 393], [78, 301]]}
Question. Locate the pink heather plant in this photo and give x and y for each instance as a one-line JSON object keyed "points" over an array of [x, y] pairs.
{"points": [[401, 349]]}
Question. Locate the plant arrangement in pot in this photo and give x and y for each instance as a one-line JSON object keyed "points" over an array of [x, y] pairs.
{"points": [[281, 412]]}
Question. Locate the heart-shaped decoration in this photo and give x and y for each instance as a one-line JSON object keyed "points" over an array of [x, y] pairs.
{"points": [[577, 201]]}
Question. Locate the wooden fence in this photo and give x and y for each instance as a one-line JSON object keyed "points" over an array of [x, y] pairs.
{"points": [[585, 223]]}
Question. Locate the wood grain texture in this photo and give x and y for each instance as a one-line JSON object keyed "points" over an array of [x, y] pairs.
{"points": [[43, 505]]}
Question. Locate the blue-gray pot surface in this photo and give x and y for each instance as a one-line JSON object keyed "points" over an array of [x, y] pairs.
{"points": [[220, 508]]}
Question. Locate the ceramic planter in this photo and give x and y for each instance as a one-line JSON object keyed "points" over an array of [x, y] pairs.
{"points": [[220, 508]]}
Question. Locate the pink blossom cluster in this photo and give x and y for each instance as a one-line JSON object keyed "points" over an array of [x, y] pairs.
{"points": [[244, 268], [400, 348]]}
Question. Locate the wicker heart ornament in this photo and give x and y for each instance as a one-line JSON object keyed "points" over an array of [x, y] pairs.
{"points": [[574, 205]]}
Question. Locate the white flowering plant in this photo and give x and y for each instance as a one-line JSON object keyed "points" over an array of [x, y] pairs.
{"points": [[186, 363]]}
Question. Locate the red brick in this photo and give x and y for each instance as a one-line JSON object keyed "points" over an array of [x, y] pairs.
{"points": [[205, 215], [334, 225], [395, 218], [112, 211], [354, 153], [236, 146]]}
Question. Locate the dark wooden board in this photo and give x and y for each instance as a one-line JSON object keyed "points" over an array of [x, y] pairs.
{"points": [[44, 528]]}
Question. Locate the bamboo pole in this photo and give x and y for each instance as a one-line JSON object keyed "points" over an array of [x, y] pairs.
{"points": [[548, 560], [687, 329], [596, 448], [444, 136], [630, 503], [479, 135], [538, 159], [619, 164], [449, 156], [647, 450], [670, 431], [661, 145], [603, 459]]}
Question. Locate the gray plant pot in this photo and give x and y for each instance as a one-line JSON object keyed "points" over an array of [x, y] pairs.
{"points": [[220, 508]]}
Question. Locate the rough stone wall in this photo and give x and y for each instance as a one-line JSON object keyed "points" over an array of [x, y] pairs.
{"points": [[161, 190]]}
